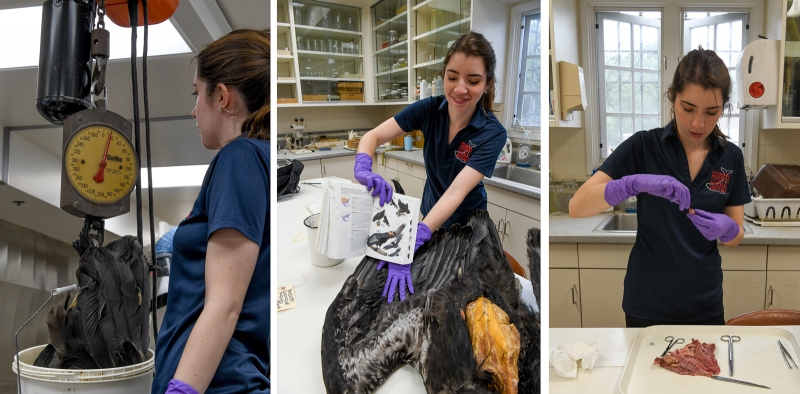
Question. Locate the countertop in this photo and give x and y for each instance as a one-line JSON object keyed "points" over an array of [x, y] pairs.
{"points": [[299, 330], [566, 229], [415, 157], [614, 346]]}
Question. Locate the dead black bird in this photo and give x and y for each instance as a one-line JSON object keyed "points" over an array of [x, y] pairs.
{"points": [[106, 325], [403, 210], [396, 253], [364, 339], [534, 247]]}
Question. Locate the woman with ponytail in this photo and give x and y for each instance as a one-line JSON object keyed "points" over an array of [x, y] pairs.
{"points": [[691, 190], [462, 141], [214, 337]]}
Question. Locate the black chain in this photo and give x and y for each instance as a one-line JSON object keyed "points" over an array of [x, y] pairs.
{"points": [[101, 12]]}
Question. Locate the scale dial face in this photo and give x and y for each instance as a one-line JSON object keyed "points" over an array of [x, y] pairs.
{"points": [[101, 164]]}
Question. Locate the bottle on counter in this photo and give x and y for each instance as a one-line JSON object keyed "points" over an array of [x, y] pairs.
{"points": [[419, 81], [524, 152], [424, 89]]}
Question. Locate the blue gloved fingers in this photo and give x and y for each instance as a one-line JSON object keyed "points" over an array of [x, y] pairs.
{"points": [[410, 284], [704, 225], [382, 187], [389, 191], [386, 287], [381, 264], [401, 284], [392, 288]]}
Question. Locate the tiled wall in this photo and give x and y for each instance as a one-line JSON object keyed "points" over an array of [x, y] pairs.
{"points": [[778, 147], [568, 154]]}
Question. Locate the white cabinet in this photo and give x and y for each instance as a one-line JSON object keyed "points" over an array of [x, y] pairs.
{"points": [[324, 61], [783, 278], [743, 279], [341, 167], [783, 290], [779, 27], [601, 297], [565, 298], [311, 170]]}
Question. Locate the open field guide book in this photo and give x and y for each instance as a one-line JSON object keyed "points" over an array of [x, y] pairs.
{"points": [[352, 223]]}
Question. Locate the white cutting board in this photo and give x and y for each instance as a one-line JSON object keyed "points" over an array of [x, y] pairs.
{"points": [[757, 359]]}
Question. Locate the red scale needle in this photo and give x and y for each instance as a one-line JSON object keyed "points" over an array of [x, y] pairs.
{"points": [[101, 171]]}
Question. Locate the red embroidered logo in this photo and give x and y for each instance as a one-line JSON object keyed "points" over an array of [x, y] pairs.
{"points": [[719, 180], [464, 151]]}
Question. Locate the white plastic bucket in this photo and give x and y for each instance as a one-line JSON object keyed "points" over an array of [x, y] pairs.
{"points": [[134, 379], [318, 259]]}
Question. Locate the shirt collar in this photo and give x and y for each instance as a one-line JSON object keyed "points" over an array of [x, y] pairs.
{"points": [[478, 120], [671, 131]]}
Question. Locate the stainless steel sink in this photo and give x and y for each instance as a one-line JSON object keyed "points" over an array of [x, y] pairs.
{"points": [[618, 223], [526, 176], [626, 223]]}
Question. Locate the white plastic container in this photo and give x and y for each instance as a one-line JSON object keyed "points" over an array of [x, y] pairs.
{"points": [[134, 379], [505, 154], [778, 209], [318, 259]]}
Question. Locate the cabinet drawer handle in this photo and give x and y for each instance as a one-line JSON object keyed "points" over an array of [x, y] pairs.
{"points": [[501, 228], [409, 164], [771, 292], [574, 290], [505, 228]]}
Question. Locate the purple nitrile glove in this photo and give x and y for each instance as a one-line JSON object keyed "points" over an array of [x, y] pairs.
{"points": [[374, 182], [399, 274], [714, 225], [665, 186], [179, 387]]}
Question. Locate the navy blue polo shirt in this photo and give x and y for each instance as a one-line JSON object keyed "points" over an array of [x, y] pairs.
{"points": [[477, 146], [234, 194], [674, 273]]}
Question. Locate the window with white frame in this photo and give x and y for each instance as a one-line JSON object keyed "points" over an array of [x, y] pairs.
{"points": [[527, 108], [629, 75], [631, 68]]}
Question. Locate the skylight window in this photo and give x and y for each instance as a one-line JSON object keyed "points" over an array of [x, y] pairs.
{"points": [[177, 176], [20, 35]]}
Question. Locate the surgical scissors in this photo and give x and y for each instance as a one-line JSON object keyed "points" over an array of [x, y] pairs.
{"points": [[731, 339], [786, 356], [672, 341]]}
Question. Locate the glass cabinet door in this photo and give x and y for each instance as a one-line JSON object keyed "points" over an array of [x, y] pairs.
{"points": [[390, 37], [284, 54], [328, 39], [438, 24]]}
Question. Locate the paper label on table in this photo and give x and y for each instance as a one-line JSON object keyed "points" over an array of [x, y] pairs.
{"points": [[286, 298]]}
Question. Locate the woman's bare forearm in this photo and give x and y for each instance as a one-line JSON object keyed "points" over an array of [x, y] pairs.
{"points": [[590, 199]]}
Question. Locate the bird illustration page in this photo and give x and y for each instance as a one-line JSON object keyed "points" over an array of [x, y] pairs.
{"points": [[353, 223], [393, 229]]}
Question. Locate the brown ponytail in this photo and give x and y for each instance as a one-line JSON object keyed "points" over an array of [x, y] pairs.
{"points": [[240, 60]]}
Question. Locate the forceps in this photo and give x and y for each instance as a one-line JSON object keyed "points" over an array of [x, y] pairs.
{"points": [[731, 339], [786, 356], [672, 341]]}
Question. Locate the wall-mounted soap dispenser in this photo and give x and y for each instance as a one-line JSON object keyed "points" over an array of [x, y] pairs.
{"points": [[572, 89]]}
